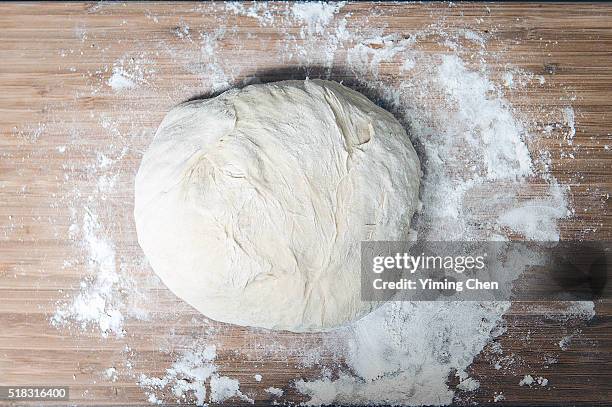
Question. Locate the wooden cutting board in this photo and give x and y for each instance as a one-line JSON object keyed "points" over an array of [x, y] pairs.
{"points": [[61, 125]]}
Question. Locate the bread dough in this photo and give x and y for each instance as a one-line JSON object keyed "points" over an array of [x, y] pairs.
{"points": [[251, 206]]}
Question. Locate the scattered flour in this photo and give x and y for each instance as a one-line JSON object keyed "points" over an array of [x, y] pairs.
{"points": [[536, 219], [111, 374], [223, 388], [129, 72], [275, 391], [408, 64], [569, 117], [528, 380], [565, 311], [383, 349], [508, 79], [469, 384], [471, 140], [97, 303], [120, 80], [566, 341], [188, 376], [259, 11], [316, 15]]}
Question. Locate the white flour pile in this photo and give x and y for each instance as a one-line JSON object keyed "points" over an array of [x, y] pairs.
{"points": [[97, 302], [189, 375], [477, 174]]}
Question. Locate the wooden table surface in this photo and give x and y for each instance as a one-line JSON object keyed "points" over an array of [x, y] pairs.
{"points": [[58, 115]]}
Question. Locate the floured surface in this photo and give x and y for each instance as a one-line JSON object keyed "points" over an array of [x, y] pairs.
{"points": [[506, 117]]}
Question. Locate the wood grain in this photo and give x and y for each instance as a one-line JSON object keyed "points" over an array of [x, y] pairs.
{"points": [[55, 59]]}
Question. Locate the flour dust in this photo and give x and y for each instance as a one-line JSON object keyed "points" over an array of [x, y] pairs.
{"points": [[482, 180]]}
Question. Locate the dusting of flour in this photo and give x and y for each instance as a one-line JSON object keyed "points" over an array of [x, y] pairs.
{"points": [[480, 182], [189, 374], [96, 304]]}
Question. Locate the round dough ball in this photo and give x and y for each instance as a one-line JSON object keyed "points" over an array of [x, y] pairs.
{"points": [[251, 206]]}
